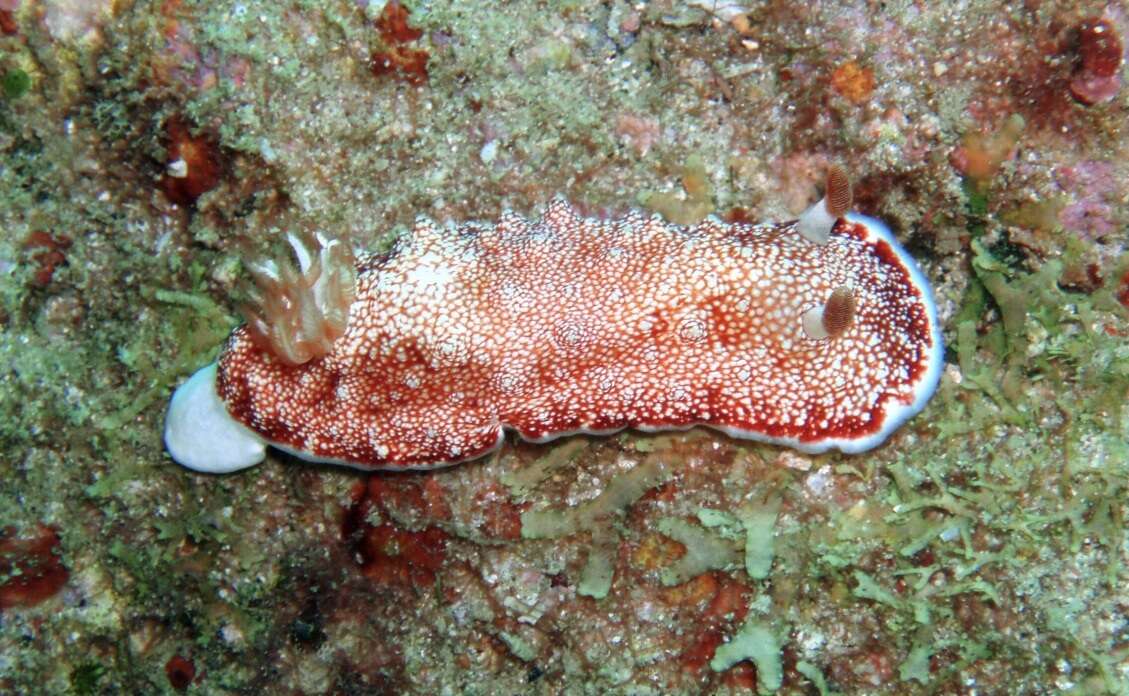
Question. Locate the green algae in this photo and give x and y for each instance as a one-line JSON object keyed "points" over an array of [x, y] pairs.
{"points": [[15, 83], [598, 571], [916, 665], [1043, 332], [815, 676], [594, 517], [942, 521], [86, 677], [756, 642], [759, 522], [518, 646], [745, 537], [525, 480], [726, 524], [704, 551], [620, 493]]}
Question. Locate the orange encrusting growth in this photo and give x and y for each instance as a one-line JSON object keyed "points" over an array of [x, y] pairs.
{"points": [[853, 81], [567, 324]]}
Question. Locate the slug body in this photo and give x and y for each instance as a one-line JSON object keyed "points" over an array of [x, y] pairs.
{"points": [[567, 324]]}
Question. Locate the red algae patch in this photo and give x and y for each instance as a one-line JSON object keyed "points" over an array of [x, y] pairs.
{"points": [[391, 556], [1123, 290], [387, 554], [1096, 77], [394, 57], [726, 603], [500, 518], [180, 672], [48, 252], [8, 25], [192, 167], [30, 568]]}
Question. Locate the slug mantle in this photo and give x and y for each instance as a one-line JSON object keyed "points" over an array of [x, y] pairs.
{"points": [[819, 333]]}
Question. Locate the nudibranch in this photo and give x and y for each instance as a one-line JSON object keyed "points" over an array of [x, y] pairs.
{"points": [[817, 333]]}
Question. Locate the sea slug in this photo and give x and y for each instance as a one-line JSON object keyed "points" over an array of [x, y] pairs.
{"points": [[817, 333]]}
